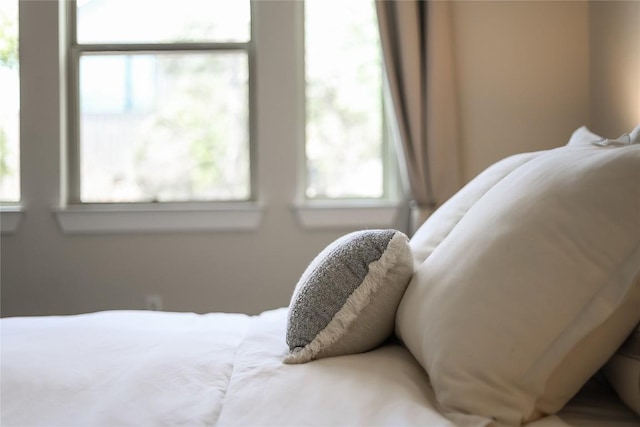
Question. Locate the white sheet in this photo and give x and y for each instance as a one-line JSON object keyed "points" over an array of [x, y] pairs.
{"points": [[382, 387], [117, 368], [155, 368]]}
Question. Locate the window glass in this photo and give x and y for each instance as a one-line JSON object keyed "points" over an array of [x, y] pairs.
{"points": [[164, 127], [9, 103], [156, 21], [159, 122], [344, 127]]}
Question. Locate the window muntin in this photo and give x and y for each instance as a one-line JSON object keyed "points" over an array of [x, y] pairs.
{"points": [[9, 103], [156, 121], [345, 135]]}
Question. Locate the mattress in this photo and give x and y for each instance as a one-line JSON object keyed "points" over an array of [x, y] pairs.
{"points": [[158, 368]]}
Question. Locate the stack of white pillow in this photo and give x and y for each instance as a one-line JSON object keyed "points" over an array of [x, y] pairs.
{"points": [[525, 283], [528, 280]]}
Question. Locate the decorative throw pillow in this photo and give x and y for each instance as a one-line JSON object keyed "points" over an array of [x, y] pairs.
{"points": [[623, 371], [544, 264], [346, 300]]}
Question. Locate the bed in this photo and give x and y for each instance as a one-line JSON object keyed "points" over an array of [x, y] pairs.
{"points": [[155, 368], [387, 331]]}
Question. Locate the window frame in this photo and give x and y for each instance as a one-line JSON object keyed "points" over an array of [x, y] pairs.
{"points": [[345, 213], [267, 130], [390, 184], [12, 205], [74, 52]]}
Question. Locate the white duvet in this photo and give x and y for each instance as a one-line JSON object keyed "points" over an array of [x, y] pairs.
{"points": [[178, 369]]}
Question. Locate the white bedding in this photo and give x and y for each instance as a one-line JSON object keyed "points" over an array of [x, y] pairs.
{"points": [[117, 368], [157, 368]]}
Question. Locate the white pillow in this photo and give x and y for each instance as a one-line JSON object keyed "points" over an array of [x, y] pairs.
{"points": [[584, 136], [635, 135], [346, 300], [623, 371], [444, 219], [542, 265]]}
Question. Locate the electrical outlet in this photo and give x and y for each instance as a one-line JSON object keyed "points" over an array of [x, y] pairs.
{"points": [[153, 302]]}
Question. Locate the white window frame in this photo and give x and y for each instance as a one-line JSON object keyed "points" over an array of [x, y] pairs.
{"points": [[11, 212], [76, 51], [10, 217], [79, 217], [331, 213], [278, 139]]}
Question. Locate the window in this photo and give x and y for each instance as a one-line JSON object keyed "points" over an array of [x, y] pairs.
{"points": [[160, 101], [345, 143], [212, 101], [9, 103]]}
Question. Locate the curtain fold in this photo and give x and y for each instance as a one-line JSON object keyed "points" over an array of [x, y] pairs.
{"points": [[417, 50]]}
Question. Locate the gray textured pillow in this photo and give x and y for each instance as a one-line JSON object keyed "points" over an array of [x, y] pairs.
{"points": [[346, 300]]}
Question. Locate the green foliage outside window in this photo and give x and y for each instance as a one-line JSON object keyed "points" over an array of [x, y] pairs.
{"points": [[8, 42]]}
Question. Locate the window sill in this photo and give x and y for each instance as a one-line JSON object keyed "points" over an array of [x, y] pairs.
{"points": [[10, 218], [347, 214], [170, 217]]}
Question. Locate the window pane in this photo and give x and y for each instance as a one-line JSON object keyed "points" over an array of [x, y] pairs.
{"points": [[9, 103], [164, 127], [344, 129], [154, 21]]}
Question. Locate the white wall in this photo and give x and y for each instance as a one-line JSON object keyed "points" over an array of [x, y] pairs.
{"points": [[46, 272], [614, 67], [525, 85], [523, 76]]}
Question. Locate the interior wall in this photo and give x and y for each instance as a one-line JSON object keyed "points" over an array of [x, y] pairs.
{"points": [[615, 67], [45, 271], [523, 76], [525, 83]]}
